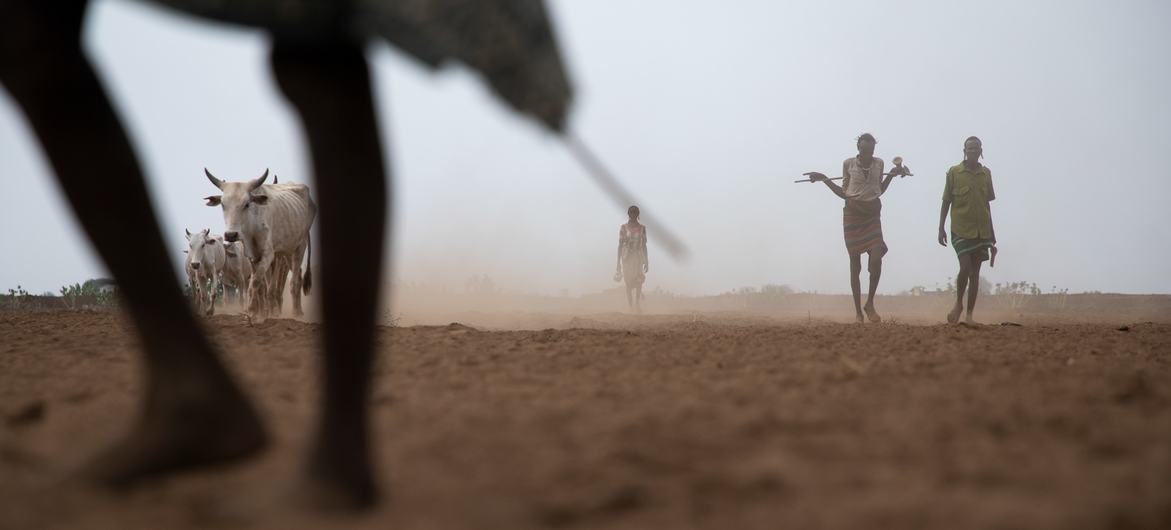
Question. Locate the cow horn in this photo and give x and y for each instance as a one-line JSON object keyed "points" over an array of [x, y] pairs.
{"points": [[217, 182], [258, 182], [188, 232]]}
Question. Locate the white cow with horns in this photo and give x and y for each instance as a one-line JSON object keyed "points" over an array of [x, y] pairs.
{"points": [[205, 267], [272, 221]]}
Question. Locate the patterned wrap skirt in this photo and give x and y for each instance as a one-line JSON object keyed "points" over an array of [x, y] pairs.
{"points": [[862, 225], [978, 246]]}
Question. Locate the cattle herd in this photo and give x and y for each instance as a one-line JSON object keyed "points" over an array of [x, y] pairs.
{"points": [[265, 239]]}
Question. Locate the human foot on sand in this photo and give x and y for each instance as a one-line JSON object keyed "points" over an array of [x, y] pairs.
{"points": [[871, 313], [177, 434], [954, 315]]}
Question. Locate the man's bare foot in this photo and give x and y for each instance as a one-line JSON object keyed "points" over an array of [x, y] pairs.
{"points": [[860, 318], [871, 313], [181, 435], [970, 321], [954, 315]]}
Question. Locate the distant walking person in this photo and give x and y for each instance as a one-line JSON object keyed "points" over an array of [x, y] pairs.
{"points": [[632, 259], [967, 194], [862, 184]]}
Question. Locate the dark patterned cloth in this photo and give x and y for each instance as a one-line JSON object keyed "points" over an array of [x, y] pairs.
{"points": [[978, 246]]}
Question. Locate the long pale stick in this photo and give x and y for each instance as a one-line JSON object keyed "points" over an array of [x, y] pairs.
{"points": [[898, 162], [621, 196]]}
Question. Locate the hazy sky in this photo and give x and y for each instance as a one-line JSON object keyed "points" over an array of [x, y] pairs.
{"points": [[708, 111]]}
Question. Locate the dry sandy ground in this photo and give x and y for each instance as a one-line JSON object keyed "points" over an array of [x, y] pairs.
{"points": [[636, 422]]}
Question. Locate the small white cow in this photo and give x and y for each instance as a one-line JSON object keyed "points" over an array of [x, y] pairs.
{"points": [[237, 272], [205, 267], [270, 220]]}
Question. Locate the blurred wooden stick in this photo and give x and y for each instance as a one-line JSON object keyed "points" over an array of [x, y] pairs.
{"points": [[621, 196]]}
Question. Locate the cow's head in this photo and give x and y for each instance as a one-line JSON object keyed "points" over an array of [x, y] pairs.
{"points": [[242, 202], [195, 246]]}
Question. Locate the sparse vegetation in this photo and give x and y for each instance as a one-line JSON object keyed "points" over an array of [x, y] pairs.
{"points": [[18, 297], [93, 294], [1017, 292]]}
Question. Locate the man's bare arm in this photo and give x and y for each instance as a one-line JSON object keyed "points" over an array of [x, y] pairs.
{"points": [[646, 257], [890, 177], [943, 217], [991, 226], [833, 186]]}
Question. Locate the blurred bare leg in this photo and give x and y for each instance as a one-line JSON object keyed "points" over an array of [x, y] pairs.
{"points": [[856, 285], [973, 287], [874, 267], [192, 413], [961, 286], [328, 83]]}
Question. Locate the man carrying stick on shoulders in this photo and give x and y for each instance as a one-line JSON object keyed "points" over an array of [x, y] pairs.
{"points": [[967, 194], [862, 184]]}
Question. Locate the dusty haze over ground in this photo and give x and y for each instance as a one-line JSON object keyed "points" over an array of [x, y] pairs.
{"points": [[708, 113]]}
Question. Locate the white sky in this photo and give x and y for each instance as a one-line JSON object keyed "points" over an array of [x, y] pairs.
{"points": [[708, 111]]}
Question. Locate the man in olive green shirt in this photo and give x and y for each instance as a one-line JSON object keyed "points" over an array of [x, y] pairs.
{"points": [[967, 195]]}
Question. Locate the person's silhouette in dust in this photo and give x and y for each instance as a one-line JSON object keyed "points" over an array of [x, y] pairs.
{"points": [[193, 414], [632, 259]]}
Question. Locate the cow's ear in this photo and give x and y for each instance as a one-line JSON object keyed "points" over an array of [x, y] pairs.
{"points": [[260, 199], [213, 200], [184, 251]]}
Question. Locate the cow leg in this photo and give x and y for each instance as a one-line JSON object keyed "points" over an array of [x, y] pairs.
{"points": [[192, 413], [194, 291], [229, 286], [262, 281], [277, 290], [193, 282], [221, 291], [238, 283], [295, 281], [242, 289], [329, 85], [259, 290], [209, 284], [274, 285]]}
